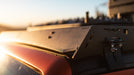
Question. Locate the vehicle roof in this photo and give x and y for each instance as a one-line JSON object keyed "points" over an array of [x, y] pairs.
{"points": [[46, 63]]}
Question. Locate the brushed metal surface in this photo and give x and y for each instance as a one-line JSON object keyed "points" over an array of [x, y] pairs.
{"points": [[61, 40]]}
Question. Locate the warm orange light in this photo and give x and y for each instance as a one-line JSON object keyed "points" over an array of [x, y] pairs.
{"points": [[2, 56], [3, 60]]}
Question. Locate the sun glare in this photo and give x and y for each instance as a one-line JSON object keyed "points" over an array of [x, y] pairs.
{"points": [[2, 56]]}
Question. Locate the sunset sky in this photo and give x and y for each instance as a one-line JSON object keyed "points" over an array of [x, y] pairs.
{"points": [[21, 13]]}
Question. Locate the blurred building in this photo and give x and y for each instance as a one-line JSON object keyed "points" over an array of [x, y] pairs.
{"points": [[120, 12], [121, 9], [7, 28]]}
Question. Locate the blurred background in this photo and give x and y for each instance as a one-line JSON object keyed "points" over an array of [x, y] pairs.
{"points": [[19, 14]]}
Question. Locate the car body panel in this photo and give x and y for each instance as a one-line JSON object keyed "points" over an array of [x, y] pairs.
{"points": [[48, 64]]}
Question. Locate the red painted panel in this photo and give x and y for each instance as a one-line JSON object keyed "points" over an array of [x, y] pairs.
{"points": [[48, 64]]}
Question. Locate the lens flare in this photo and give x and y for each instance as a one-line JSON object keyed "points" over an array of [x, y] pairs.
{"points": [[2, 56]]}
